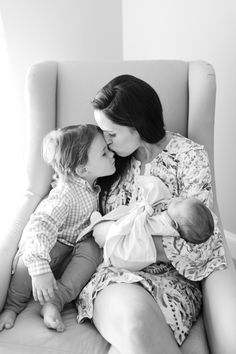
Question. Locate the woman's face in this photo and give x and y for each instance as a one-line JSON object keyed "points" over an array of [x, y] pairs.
{"points": [[121, 139]]}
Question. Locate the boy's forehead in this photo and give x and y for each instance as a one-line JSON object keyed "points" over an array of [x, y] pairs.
{"points": [[98, 144]]}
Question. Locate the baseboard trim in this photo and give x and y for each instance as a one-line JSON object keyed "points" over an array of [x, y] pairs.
{"points": [[231, 241]]}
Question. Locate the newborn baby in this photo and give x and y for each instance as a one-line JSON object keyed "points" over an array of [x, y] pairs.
{"points": [[126, 233]]}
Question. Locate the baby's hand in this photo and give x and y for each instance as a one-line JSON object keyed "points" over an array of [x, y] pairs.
{"points": [[43, 287]]}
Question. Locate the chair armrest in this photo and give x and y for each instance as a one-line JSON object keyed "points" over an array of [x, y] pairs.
{"points": [[41, 84], [219, 289], [219, 308], [219, 305], [24, 205]]}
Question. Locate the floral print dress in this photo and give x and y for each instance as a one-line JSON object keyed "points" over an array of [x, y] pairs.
{"points": [[184, 168]]}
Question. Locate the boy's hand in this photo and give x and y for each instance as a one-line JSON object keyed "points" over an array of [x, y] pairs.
{"points": [[43, 287]]}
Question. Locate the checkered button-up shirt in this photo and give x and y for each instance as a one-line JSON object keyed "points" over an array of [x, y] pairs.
{"points": [[60, 217]]}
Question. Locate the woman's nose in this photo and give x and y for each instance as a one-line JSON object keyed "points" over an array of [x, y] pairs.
{"points": [[107, 138]]}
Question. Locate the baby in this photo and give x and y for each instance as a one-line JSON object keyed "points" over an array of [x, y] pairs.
{"points": [[191, 218], [126, 233]]}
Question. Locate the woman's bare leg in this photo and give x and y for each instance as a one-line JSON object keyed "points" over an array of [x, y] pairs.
{"points": [[192, 341], [128, 317]]}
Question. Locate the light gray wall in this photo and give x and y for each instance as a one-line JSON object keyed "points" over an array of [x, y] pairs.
{"points": [[38, 30], [191, 30], [60, 30]]}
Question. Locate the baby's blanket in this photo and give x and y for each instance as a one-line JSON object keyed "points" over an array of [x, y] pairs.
{"points": [[129, 243]]}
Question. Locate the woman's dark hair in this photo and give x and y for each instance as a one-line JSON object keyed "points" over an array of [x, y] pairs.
{"points": [[132, 102], [129, 101]]}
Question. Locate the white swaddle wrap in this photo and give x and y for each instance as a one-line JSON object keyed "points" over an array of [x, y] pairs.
{"points": [[129, 243]]}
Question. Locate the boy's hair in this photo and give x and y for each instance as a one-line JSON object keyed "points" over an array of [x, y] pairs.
{"points": [[67, 148], [199, 226]]}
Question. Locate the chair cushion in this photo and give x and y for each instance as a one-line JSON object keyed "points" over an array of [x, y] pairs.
{"points": [[30, 335]]}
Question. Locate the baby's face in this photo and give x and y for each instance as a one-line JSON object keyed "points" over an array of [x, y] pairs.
{"points": [[179, 208]]}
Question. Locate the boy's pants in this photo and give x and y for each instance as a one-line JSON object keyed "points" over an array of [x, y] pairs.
{"points": [[76, 266]]}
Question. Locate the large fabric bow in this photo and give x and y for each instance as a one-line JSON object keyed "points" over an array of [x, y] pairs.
{"points": [[129, 243]]}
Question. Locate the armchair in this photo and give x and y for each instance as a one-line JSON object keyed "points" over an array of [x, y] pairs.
{"points": [[59, 94]]}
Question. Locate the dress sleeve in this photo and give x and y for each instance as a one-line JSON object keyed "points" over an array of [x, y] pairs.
{"points": [[40, 234], [194, 175], [196, 261]]}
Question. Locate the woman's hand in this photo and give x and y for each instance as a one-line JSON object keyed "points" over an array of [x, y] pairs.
{"points": [[161, 255], [100, 232], [43, 287]]}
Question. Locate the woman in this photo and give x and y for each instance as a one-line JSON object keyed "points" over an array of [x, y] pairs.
{"points": [[149, 311]]}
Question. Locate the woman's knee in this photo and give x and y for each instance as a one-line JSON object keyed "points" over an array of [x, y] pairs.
{"points": [[128, 317], [127, 306]]}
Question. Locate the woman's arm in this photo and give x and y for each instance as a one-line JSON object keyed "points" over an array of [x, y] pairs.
{"points": [[195, 262], [161, 255], [194, 175], [100, 232]]}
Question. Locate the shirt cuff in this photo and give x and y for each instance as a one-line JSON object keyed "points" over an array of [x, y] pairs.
{"points": [[39, 267]]}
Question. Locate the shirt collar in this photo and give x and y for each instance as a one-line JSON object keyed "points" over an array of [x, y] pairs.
{"points": [[84, 184]]}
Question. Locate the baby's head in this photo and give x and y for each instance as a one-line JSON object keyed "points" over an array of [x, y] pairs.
{"points": [[193, 219], [78, 150]]}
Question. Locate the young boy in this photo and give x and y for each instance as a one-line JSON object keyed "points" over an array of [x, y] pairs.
{"points": [[79, 155]]}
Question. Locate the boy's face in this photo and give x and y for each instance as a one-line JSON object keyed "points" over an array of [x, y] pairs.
{"points": [[101, 161]]}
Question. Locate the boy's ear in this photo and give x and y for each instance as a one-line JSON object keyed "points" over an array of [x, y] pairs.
{"points": [[81, 170]]}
